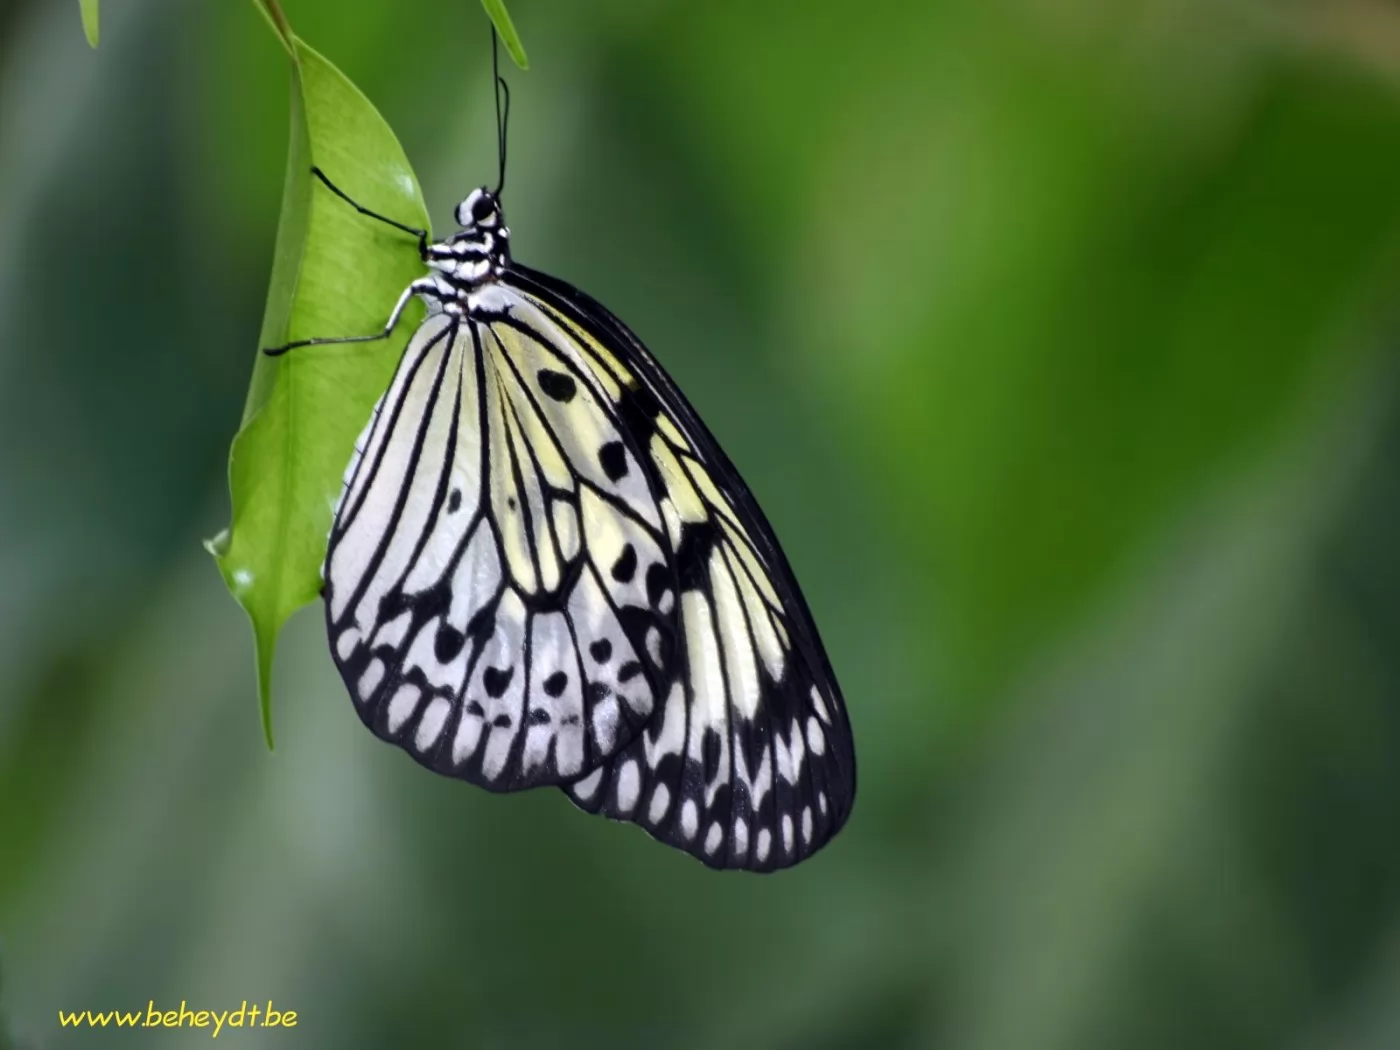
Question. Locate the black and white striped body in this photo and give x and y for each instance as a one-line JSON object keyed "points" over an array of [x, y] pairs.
{"points": [[543, 570]]}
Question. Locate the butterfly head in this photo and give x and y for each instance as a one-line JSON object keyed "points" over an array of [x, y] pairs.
{"points": [[480, 209]]}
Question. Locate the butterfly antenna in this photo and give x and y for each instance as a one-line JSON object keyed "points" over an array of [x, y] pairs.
{"points": [[502, 110]]}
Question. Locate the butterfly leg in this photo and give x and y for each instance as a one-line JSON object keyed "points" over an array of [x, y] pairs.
{"points": [[422, 286], [422, 235]]}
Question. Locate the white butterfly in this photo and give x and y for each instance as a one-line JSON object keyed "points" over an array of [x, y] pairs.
{"points": [[544, 570]]}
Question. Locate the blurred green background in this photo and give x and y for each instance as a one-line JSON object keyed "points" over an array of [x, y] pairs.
{"points": [[1057, 338]]}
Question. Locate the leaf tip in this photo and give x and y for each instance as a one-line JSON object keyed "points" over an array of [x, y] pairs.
{"points": [[91, 21], [265, 646], [239, 579]]}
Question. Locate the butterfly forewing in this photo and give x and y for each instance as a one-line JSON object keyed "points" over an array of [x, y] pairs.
{"points": [[477, 597]]}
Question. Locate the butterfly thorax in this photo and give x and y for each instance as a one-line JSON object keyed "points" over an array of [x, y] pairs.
{"points": [[477, 253], [472, 257]]}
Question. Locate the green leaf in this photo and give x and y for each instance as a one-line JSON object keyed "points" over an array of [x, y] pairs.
{"points": [[90, 20], [500, 18], [334, 273]]}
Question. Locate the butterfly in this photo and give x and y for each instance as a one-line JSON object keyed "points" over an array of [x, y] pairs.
{"points": [[543, 570]]}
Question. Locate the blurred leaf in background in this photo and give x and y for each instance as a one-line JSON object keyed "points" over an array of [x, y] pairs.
{"points": [[91, 21], [500, 19], [1058, 342]]}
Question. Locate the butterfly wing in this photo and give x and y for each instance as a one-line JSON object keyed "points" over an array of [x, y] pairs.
{"points": [[749, 761], [475, 596]]}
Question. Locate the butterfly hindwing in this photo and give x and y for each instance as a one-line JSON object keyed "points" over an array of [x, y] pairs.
{"points": [[748, 762], [473, 595]]}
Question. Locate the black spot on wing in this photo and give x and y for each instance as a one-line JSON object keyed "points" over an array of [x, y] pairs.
{"points": [[557, 385], [555, 684], [448, 643], [658, 582], [693, 555], [601, 650], [496, 680], [483, 621], [626, 565], [710, 751], [612, 457]]}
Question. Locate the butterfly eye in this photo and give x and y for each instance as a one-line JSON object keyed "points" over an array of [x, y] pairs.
{"points": [[484, 208], [478, 208]]}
